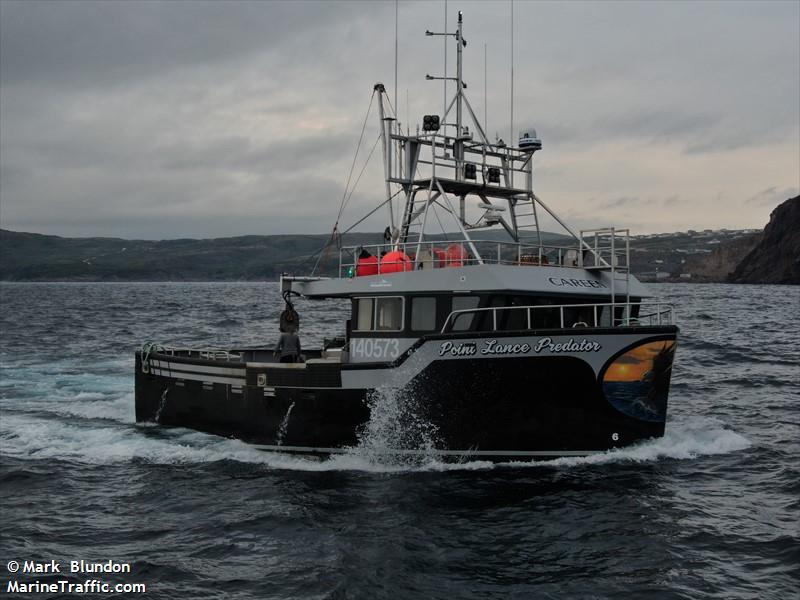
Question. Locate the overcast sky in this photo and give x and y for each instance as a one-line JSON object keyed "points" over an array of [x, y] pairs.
{"points": [[209, 119]]}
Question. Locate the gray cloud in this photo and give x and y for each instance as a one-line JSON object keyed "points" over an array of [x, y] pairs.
{"points": [[79, 44], [771, 196], [625, 201], [158, 119], [634, 202]]}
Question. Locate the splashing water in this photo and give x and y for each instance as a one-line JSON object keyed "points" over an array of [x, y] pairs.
{"points": [[283, 426], [161, 405], [396, 426]]}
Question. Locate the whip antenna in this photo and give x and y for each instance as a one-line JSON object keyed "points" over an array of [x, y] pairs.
{"points": [[511, 137], [445, 59], [485, 95]]}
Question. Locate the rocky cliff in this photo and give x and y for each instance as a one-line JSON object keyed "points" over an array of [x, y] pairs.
{"points": [[721, 263], [776, 257]]}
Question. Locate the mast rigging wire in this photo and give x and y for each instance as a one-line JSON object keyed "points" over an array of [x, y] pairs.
{"points": [[336, 235], [363, 168], [349, 178], [441, 226], [355, 157], [372, 212], [349, 229]]}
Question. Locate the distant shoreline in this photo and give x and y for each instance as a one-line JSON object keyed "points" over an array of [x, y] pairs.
{"points": [[707, 256], [276, 282]]}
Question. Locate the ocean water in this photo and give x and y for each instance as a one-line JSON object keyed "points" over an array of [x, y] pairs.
{"points": [[709, 511]]}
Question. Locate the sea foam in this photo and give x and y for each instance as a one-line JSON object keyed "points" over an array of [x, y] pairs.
{"points": [[32, 437]]}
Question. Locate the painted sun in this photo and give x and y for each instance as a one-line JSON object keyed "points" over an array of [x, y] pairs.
{"points": [[636, 363]]}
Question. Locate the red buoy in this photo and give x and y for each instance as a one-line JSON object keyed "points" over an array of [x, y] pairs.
{"points": [[456, 255], [396, 261], [440, 258], [367, 265]]}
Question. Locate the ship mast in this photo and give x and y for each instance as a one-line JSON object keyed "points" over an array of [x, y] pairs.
{"points": [[459, 87], [443, 167], [444, 162], [386, 124]]}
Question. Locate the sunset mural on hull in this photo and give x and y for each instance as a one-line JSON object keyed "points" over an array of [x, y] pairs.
{"points": [[637, 382]]}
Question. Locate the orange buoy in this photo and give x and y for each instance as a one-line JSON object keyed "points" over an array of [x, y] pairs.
{"points": [[439, 258], [456, 255], [396, 261], [367, 265]]}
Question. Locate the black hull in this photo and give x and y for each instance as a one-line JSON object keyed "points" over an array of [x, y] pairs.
{"points": [[320, 418], [513, 406], [542, 404]]}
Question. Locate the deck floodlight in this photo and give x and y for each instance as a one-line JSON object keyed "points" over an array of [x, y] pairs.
{"points": [[493, 175], [430, 123], [470, 171]]}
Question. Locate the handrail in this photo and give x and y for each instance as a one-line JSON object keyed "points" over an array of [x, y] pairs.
{"points": [[492, 252], [662, 315], [206, 353]]}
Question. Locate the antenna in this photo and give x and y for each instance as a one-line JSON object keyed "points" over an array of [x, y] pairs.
{"points": [[459, 81], [396, 108], [485, 96], [511, 136], [445, 59]]}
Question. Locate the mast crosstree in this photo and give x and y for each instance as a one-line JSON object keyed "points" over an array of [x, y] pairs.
{"points": [[450, 163]]}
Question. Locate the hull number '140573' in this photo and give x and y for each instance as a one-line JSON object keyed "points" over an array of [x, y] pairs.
{"points": [[494, 347], [374, 348]]}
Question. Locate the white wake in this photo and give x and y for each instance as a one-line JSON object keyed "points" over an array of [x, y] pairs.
{"points": [[37, 438]]}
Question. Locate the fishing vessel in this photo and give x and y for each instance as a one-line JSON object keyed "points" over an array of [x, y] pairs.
{"points": [[504, 343]]}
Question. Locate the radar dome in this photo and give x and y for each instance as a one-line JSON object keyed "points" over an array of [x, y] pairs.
{"points": [[529, 140]]}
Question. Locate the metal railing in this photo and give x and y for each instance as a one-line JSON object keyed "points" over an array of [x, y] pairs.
{"points": [[442, 254], [561, 316], [610, 248], [203, 353], [438, 154]]}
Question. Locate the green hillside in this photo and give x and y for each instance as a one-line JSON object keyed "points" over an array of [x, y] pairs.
{"points": [[36, 257]]}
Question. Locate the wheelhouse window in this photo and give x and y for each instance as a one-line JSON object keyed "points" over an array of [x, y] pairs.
{"points": [[379, 314], [485, 320], [365, 314], [463, 321], [388, 314], [423, 313], [517, 318]]}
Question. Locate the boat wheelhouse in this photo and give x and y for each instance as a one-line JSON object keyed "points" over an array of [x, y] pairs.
{"points": [[506, 341]]}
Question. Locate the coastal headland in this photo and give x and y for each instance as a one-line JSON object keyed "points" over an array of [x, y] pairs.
{"points": [[771, 255]]}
